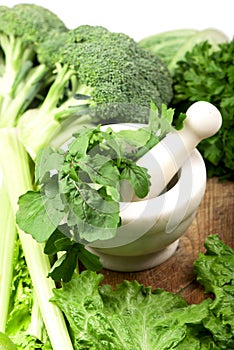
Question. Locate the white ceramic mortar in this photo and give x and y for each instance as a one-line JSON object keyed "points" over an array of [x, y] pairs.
{"points": [[151, 228]]}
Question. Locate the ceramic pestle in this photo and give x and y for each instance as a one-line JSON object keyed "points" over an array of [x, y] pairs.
{"points": [[164, 160]]}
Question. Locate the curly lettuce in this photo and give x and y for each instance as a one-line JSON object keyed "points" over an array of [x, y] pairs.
{"points": [[134, 317]]}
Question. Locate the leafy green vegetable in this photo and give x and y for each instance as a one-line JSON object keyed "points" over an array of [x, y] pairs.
{"points": [[135, 317], [208, 75], [80, 189], [129, 317], [215, 273]]}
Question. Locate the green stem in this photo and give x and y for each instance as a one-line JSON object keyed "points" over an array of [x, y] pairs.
{"points": [[7, 239], [16, 172], [19, 82], [36, 325], [16, 103], [37, 126]]}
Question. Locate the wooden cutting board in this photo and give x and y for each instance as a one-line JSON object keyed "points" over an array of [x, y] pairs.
{"points": [[215, 216]]}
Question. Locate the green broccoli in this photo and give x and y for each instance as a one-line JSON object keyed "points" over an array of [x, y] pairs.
{"points": [[131, 74], [101, 75], [22, 28]]}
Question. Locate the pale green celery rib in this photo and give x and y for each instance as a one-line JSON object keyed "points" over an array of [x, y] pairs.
{"points": [[36, 327], [7, 239], [16, 172]]}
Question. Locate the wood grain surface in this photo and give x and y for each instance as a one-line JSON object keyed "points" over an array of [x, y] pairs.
{"points": [[214, 216]]}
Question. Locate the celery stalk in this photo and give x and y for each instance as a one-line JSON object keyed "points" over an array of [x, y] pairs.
{"points": [[7, 239], [36, 326], [14, 164]]}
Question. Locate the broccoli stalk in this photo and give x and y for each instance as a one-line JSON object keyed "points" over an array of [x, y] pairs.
{"points": [[20, 80], [37, 126]]}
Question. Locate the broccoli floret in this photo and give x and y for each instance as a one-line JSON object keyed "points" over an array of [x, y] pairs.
{"points": [[103, 75], [22, 28], [120, 74]]}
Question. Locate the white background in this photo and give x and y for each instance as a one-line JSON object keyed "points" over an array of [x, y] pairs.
{"points": [[141, 18]]}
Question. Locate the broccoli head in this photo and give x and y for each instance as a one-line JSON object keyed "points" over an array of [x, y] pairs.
{"points": [[99, 77], [123, 78], [29, 22], [120, 78], [22, 28]]}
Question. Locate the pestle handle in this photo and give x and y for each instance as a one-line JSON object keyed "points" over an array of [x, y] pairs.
{"points": [[165, 159]]}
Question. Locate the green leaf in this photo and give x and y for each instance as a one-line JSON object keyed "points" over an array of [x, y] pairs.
{"points": [[138, 178], [91, 214], [113, 192], [160, 121], [64, 267], [79, 146], [215, 272], [180, 121], [57, 242], [136, 138], [216, 266], [100, 169], [37, 215], [89, 260], [47, 160]]}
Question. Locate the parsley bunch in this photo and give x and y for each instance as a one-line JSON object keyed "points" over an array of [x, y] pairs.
{"points": [[205, 74]]}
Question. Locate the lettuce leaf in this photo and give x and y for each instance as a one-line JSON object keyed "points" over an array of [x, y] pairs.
{"points": [[129, 317], [215, 272], [134, 317]]}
